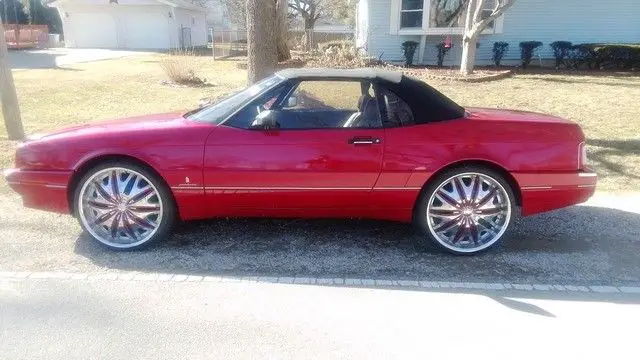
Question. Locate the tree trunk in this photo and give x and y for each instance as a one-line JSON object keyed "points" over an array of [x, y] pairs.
{"points": [[261, 39], [468, 55], [282, 8], [309, 23], [9, 98]]}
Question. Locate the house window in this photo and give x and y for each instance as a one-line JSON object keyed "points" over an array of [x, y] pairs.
{"points": [[411, 13], [437, 16], [447, 13], [487, 11]]}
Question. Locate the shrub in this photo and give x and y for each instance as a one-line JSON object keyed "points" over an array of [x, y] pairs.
{"points": [[335, 44], [442, 51], [619, 56], [499, 49], [181, 68], [526, 51], [341, 57], [579, 55], [409, 50], [561, 50]]}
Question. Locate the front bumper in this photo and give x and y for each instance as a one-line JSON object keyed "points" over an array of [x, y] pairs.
{"points": [[41, 189], [549, 191]]}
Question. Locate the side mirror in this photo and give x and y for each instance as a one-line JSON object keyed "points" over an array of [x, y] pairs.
{"points": [[266, 120], [292, 101]]}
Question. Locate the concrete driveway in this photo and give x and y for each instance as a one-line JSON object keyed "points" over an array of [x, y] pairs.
{"points": [[59, 57]]}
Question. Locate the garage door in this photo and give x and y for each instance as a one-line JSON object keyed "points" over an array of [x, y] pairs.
{"points": [[145, 30], [94, 30]]}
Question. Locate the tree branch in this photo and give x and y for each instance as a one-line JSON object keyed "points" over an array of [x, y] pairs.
{"points": [[468, 23], [501, 7]]}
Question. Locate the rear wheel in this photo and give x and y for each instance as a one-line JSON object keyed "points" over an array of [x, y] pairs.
{"points": [[466, 210], [124, 206]]}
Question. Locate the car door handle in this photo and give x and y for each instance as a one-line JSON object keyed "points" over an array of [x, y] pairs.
{"points": [[364, 141]]}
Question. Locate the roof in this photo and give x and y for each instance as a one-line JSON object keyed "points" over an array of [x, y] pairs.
{"points": [[184, 4], [364, 73]]}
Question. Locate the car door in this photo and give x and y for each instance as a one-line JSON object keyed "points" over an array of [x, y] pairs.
{"points": [[326, 152]]}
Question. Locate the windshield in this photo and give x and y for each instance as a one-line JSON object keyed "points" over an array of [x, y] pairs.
{"points": [[219, 111]]}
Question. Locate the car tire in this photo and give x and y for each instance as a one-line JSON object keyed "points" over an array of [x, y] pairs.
{"points": [[124, 206], [465, 210]]}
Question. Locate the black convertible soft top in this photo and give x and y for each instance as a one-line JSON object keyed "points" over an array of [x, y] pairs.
{"points": [[426, 103]]}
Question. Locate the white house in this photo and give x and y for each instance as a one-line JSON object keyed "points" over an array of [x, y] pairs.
{"points": [[132, 24], [383, 25], [217, 15]]}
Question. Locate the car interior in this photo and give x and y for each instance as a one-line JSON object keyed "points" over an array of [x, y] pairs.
{"points": [[327, 104]]}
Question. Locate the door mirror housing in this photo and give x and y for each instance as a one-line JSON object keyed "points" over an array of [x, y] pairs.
{"points": [[292, 101], [266, 120]]}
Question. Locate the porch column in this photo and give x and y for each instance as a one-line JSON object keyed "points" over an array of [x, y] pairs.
{"points": [[421, 47]]}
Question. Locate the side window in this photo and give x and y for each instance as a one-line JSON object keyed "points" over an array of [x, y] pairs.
{"points": [[327, 95], [398, 111], [247, 115], [330, 104]]}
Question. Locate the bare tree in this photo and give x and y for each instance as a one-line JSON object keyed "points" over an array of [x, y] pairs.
{"points": [[9, 98], [261, 39], [237, 12], [474, 25], [309, 10], [282, 11], [312, 10]]}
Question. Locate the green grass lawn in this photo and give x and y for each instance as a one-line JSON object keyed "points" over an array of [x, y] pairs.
{"points": [[605, 105]]}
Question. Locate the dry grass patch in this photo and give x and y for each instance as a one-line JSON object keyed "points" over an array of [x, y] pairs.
{"points": [[182, 68]]}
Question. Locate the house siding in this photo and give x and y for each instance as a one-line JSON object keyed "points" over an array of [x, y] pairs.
{"points": [[196, 21], [578, 21], [129, 24]]}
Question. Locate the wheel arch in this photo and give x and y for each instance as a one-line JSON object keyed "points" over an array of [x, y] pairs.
{"points": [[515, 188], [83, 168]]}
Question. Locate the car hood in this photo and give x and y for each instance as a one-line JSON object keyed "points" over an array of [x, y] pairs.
{"points": [[135, 123], [512, 115]]}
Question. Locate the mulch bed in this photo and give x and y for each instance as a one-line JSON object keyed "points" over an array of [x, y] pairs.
{"points": [[434, 73], [424, 73]]}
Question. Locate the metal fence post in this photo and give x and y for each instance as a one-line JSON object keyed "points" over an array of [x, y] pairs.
{"points": [[213, 43]]}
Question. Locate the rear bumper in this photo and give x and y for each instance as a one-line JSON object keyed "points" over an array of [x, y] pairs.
{"points": [[44, 190], [549, 191]]}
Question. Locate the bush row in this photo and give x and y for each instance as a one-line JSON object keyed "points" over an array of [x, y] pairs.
{"points": [[566, 54], [598, 56]]}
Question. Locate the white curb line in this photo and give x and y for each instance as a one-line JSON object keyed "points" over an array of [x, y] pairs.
{"points": [[369, 283]]}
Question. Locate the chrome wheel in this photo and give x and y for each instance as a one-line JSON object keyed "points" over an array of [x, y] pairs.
{"points": [[120, 207], [468, 212]]}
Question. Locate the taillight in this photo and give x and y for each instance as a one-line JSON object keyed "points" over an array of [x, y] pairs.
{"points": [[582, 156]]}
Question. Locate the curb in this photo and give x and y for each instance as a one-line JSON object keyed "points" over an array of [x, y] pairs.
{"points": [[334, 281]]}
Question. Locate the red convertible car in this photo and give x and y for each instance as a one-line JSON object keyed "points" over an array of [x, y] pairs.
{"points": [[311, 143]]}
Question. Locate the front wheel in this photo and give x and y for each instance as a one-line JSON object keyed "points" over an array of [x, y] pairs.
{"points": [[124, 206], [467, 210]]}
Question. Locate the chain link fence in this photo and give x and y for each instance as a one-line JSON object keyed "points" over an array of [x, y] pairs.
{"points": [[228, 43]]}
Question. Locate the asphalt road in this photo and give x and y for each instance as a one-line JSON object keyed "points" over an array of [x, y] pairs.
{"points": [[58, 319], [591, 245]]}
